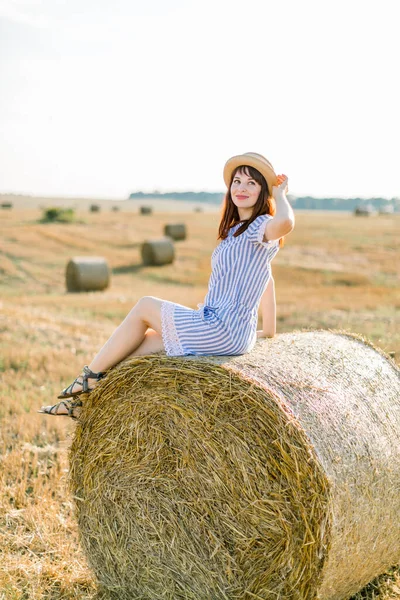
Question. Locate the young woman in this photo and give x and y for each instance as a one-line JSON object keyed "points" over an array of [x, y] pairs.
{"points": [[256, 216]]}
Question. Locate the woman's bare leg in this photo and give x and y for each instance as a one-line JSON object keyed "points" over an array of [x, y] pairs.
{"points": [[138, 334], [151, 344], [130, 334]]}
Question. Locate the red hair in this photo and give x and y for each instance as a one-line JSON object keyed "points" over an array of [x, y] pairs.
{"points": [[265, 205]]}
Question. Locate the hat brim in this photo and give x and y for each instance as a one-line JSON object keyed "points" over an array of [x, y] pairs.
{"points": [[250, 161]]}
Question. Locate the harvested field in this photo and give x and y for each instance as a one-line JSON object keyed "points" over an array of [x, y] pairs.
{"points": [[335, 272]]}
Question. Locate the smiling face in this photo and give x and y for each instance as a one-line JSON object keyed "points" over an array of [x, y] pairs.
{"points": [[244, 192]]}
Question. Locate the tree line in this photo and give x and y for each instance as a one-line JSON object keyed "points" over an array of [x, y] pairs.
{"points": [[305, 202]]}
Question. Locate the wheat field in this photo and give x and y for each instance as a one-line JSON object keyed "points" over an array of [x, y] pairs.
{"points": [[336, 271]]}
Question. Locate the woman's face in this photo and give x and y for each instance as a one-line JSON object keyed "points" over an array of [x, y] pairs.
{"points": [[245, 192]]}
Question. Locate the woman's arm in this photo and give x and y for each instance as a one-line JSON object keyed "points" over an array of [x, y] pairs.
{"points": [[268, 311], [283, 221]]}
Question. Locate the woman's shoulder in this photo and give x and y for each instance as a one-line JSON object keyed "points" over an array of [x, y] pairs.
{"points": [[255, 226], [262, 218], [256, 230], [258, 222], [234, 227]]}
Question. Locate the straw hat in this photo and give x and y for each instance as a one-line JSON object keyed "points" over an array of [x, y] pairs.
{"points": [[251, 159]]}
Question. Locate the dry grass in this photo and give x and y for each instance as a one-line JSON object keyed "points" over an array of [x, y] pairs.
{"points": [[336, 271]]}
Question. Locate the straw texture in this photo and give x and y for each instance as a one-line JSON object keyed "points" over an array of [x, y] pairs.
{"points": [[87, 273], [176, 231], [269, 475], [158, 252]]}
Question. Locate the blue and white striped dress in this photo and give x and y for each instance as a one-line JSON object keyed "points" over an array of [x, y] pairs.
{"points": [[226, 323]]}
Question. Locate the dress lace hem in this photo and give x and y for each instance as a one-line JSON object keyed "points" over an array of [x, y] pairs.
{"points": [[173, 346]]}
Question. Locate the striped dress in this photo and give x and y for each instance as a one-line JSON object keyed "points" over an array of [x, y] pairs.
{"points": [[226, 323]]}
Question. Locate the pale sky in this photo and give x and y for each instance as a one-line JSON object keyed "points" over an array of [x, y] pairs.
{"points": [[102, 98]]}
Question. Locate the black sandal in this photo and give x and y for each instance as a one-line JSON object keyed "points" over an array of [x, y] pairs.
{"points": [[68, 404], [88, 374]]}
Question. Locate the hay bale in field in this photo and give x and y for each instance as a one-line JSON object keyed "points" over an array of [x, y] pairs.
{"points": [[146, 210], [176, 231], [87, 274], [158, 252], [386, 210], [269, 475], [364, 211], [95, 208]]}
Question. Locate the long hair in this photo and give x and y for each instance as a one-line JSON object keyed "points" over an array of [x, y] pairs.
{"points": [[265, 205]]}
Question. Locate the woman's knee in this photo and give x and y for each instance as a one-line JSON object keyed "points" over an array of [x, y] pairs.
{"points": [[142, 303], [148, 310], [148, 304]]}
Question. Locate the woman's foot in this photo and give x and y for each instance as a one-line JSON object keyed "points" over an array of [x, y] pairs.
{"points": [[65, 408], [69, 406], [80, 385]]}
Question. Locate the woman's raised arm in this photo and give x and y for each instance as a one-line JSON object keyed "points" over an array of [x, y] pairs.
{"points": [[282, 222]]}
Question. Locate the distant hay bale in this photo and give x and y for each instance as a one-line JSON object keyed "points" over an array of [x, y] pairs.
{"points": [[364, 211], [6, 205], [158, 252], [269, 475], [87, 274], [176, 231], [94, 208], [145, 210], [386, 210]]}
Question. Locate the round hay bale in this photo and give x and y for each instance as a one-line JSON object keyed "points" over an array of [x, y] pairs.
{"points": [[94, 208], [364, 211], [176, 231], [158, 252], [146, 210], [386, 210], [269, 475], [87, 274]]}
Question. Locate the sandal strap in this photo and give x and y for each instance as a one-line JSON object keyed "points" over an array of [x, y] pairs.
{"points": [[69, 405], [65, 403], [88, 374], [73, 404], [68, 390], [91, 375]]}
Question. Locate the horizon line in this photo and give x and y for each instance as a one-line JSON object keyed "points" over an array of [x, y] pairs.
{"points": [[156, 193]]}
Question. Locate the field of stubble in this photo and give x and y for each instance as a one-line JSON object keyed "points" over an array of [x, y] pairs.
{"points": [[336, 271]]}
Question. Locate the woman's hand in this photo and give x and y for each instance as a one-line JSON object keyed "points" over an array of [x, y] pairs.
{"points": [[261, 334], [282, 185]]}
